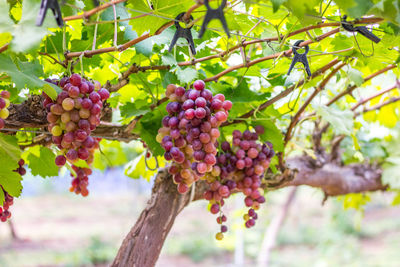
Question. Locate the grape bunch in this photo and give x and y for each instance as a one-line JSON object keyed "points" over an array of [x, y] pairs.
{"points": [[8, 199], [4, 104], [190, 130], [240, 167], [21, 170], [72, 117]]}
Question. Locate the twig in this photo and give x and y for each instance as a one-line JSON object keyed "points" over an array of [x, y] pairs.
{"points": [[124, 79], [93, 11], [53, 58], [319, 88], [276, 55], [352, 87], [4, 47], [373, 96], [379, 106], [167, 25], [283, 93], [115, 26]]}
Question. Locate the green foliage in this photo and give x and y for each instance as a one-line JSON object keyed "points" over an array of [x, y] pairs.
{"points": [[10, 154], [25, 74], [36, 53], [41, 161]]}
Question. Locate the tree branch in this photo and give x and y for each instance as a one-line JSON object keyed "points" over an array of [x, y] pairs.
{"points": [[319, 88], [363, 101], [352, 87], [93, 11], [4, 47], [379, 106], [334, 179], [283, 94]]}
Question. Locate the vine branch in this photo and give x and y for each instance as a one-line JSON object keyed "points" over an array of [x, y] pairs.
{"points": [[319, 88]]}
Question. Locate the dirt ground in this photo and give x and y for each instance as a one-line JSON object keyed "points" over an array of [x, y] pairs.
{"points": [[66, 230]]}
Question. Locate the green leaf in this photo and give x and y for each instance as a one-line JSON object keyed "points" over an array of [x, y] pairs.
{"points": [[355, 76], [186, 75], [168, 60], [26, 34], [10, 154], [137, 108], [137, 169], [391, 172], [341, 120], [271, 134], [81, 163], [276, 4], [396, 200], [11, 182], [26, 76], [162, 9], [43, 164], [148, 127]]}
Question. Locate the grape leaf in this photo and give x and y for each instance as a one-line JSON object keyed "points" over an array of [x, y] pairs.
{"points": [[26, 34], [43, 164], [271, 134], [26, 76], [159, 11], [139, 107], [148, 126], [11, 182], [341, 120], [10, 154], [391, 171], [355, 76], [186, 75]]}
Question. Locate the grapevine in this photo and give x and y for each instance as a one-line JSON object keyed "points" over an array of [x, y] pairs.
{"points": [[72, 117], [190, 131]]}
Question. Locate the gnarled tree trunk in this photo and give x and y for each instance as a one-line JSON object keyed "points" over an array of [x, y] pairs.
{"points": [[143, 244]]}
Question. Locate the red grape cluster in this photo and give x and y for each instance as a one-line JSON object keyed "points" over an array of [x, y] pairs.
{"points": [[21, 170], [72, 117], [4, 104], [239, 167], [190, 131], [9, 200]]}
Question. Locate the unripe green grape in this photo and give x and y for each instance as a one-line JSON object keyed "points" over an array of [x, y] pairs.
{"points": [[56, 130], [4, 113]]}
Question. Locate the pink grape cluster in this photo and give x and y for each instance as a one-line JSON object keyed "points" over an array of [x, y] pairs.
{"points": [[239, 167], [72, 117], [8, 199], [190, 131], [21, 170], [4, 104]]}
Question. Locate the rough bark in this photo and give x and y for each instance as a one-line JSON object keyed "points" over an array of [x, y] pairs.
{"points": [[143, 244], [335, 179], [31, 114]]}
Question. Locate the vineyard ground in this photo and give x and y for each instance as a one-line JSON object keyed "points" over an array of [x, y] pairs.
{"points": [[64, 230]]}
